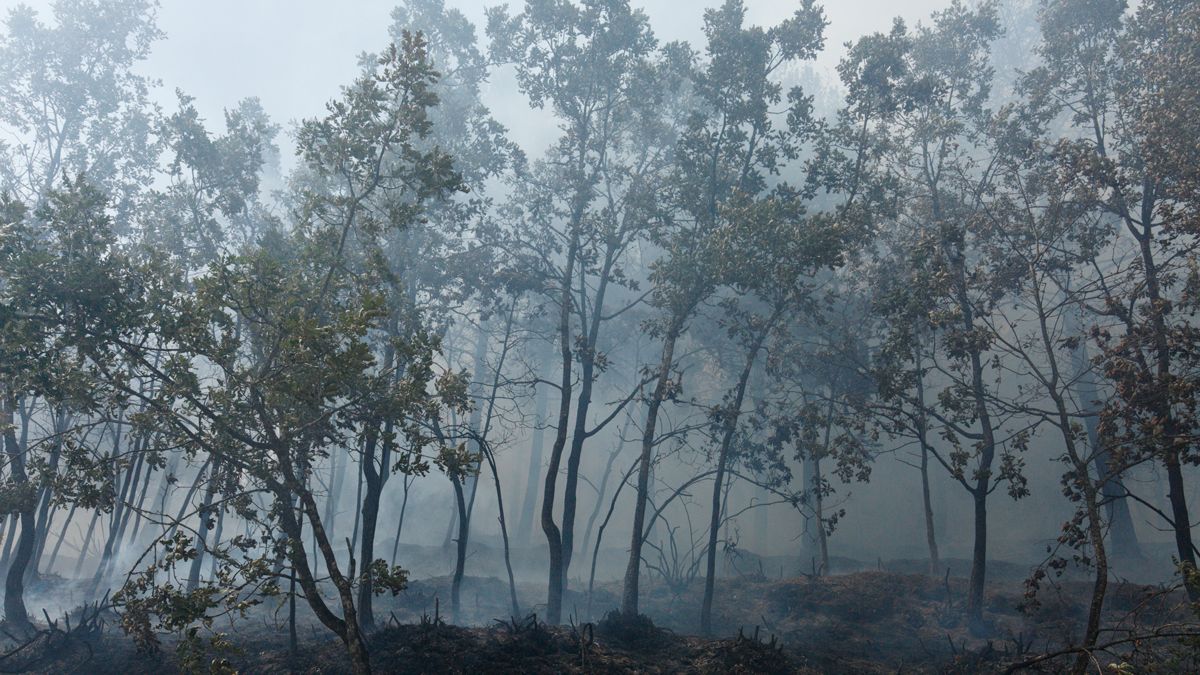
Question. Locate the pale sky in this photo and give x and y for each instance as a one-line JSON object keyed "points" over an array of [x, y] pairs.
{"points": [[294, 54]]}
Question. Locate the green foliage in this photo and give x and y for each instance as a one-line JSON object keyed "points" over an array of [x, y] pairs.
{"points": [[72, 97]]}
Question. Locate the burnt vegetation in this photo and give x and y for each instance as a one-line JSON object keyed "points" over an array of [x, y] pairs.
{"points": [[745, 358]]}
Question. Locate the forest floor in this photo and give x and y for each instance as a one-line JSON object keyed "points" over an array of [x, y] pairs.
{"points": [[862, 622]]}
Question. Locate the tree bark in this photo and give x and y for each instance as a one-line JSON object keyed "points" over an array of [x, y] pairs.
{"points": [[730, 420], [512, 584], [529, 505], [554, 586], [1120, 522], [15, 613], [460, 549], [210, 491], [630, 593], [935, 563], [347, 627]]}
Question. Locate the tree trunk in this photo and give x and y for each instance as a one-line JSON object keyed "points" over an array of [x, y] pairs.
{"points": [[407, 483], [210, 491], [15, 613], [337, 477], [375, 479], [87, 542], [587, 378], [347, 627], [730, 421], [137, 516], [460, 551], [987, 454], [293, 641], [1120, 522], [819, 505], [630, 595], [529, 505], [1182, 523], [612, 457], [554, 585], [62, 534], [935, 564], [216, 541], [512, 584], [978, 563], [358, 500], [44, 512]]}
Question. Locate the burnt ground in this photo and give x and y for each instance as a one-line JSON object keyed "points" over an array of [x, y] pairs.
{"points": [[861, 622]]}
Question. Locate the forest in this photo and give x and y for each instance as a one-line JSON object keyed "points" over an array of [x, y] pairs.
{"points": [[553, 345]]}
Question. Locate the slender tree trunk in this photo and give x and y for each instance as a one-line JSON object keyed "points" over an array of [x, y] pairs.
{"points": [[112, 543], [554, 587], [187, 499], [512, 583], [407, 483], [62, 534], [347, 626], [141, 503], [293, 642], [217, 534], [15, 613], [337, 477], [168, 478], [87, 542], [358, 500], [128, 507], [376, 478], [630, 594], [529, 505], [44, 512], [730, 418], [1121, 530], [580, 434], [460, 555], [612, 506], [600, 493], [935, 564], [987, 453], [1081, 478], [978, 563], [210, 491], [582, 196], [819, 504], [10, 543], [979, 493], [1182, 525], [1181, 519]]}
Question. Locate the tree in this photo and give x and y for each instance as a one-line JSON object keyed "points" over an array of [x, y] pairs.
{"points": [[73, 102], [267, 367], [589, 204], [727, 152], [60, 275], [1101, 71], [1038, 237], [773, 261], [441, 268], [934, 84]]}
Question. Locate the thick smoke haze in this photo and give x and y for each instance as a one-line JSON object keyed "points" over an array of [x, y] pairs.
{"points": [[451, 335], [295, 55]]}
